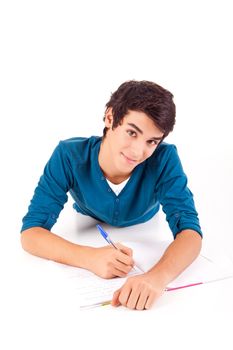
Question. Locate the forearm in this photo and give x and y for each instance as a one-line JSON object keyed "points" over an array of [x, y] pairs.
{"points": [[45, 244], [178, 256]]}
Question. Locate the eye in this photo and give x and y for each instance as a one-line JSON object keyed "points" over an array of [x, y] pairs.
{"points": [[153, 142], [131, 133]]}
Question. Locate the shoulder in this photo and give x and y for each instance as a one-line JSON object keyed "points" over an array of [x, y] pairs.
{"points": [[163, 153], [164, 159], [79, 142], [165, 148], [78, 148]]}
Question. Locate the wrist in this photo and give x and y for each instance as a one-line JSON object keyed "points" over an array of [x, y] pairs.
{"points": [[158, 276], [82, 256]]}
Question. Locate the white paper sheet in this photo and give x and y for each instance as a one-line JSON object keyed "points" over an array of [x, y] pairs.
{"points": [[92, 290]]}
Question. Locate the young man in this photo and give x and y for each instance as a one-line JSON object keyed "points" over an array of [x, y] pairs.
{"points": [[133, 171]]}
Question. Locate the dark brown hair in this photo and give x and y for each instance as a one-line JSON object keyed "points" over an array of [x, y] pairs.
{"points": [[143, 96]]}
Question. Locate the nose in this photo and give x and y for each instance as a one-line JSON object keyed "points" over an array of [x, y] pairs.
{"points": [[136, 151]]}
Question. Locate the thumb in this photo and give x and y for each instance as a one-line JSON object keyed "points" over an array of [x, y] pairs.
{"points": [[115, 301]]}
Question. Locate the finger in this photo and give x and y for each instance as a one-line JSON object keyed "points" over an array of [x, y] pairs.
{"points": [[123, 258], [125, 269], [124, 294], [115, 301], [142, 300], [126, 250], [150, 301], [117, 273], [134, 297]]}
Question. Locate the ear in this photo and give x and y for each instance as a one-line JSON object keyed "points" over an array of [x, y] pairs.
{"points": [[108, 118]]}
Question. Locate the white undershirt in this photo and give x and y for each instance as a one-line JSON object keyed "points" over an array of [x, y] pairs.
{"points": [[119, 187]]}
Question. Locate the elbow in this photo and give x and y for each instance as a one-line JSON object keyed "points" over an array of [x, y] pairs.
{"points": [[191, 238], [26, 239], [32, 240], [23, 239]]}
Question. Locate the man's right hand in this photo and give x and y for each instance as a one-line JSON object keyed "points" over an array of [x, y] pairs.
{"points": [[108, 262]]}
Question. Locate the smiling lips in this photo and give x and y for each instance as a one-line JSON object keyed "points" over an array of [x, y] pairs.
{"points": [[129, 160]]}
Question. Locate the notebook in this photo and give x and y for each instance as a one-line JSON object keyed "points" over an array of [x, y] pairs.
{"points": [[92, 291]]}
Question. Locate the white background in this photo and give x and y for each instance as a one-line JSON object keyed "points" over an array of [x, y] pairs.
{"points": [[59, 63]]}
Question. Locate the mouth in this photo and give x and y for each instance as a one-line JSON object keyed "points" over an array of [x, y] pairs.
{"points": [[129, 160]]}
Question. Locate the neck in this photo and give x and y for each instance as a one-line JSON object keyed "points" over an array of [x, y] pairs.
{"points": [[107, 167], [117, 180]]}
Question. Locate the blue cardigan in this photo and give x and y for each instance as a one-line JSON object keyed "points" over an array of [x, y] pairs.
{"points": [[73, 167]]}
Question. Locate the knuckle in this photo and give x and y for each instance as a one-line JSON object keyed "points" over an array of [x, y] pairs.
{"points": [[120, 273], [128, 268], [130, 251], [123, 274], [105, 275], [139, 307], [123, 301], [129, 261]]}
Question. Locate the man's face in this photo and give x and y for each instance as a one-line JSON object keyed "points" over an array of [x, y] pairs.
{"points": [[131, 142]]}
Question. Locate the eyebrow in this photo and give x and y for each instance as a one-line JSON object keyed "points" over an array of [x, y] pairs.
{"points": [[141, 132]]}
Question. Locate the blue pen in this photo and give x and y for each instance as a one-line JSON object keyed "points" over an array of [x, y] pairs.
{"points": [[106, 236]]}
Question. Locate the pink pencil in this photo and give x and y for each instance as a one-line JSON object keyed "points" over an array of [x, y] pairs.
{"points": [[168, 289], [185, 286]]}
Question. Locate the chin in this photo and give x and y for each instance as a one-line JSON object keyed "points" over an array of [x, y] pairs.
{"points": [[127, 169]]}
